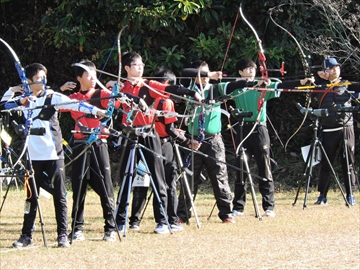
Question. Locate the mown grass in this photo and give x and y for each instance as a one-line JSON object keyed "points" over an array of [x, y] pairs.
{"points": [[319, 237]]}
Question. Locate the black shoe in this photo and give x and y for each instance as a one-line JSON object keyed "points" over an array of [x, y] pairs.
{"points": [[78, 236], [350, 200], [110, 236], [63, 241], [24, 241], [321, 200]]}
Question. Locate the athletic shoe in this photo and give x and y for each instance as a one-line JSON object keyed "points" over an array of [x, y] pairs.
{"points": [[120, 228], [269, 213], [78, 236], [134, 227], [238, 213], [109, 236], [176, 227], [350, 200], [229, 220], [161, 229], [63, 241], [321, 200], [23, 241]]}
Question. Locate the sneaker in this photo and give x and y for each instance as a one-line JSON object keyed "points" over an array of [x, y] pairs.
{"points": [[23, 241], [134, 227], [109, 236], [161, 228], [63, 241], [350, 200], [238, 213], [229, 220], [321, 200], [120, 228], [269, 213], [78, 236], [176, 227]]}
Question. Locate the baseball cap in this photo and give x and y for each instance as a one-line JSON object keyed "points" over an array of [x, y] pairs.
{"points": [[330, 63]]}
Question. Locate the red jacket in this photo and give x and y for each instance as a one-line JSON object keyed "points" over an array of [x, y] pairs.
{"points": [[140, 118], [90, 122]]}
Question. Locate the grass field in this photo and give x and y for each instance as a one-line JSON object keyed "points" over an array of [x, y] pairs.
{"points": [[319, 237]]}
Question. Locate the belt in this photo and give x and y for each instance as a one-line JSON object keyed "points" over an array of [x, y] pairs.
{"points": [[332, 129], [251, 123], [165, 140]]}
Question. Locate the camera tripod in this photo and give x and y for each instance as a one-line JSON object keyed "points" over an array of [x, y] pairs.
{"points": [[88, 153], [129, 176], [315, 146]]}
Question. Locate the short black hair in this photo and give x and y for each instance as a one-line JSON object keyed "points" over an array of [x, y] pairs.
{"points": [[245, 63], [79, 71], [129, 57], [165, 75], [198, 64], [33, 69]]}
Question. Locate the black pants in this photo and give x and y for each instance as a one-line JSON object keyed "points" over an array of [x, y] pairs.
{"points": [[332, 142], [257, 144], [157, 172], [98, 177], [217, 172], [56, 188], [170, 177]]}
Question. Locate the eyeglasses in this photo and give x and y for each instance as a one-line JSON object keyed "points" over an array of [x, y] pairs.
{"points": [[138, 65]]}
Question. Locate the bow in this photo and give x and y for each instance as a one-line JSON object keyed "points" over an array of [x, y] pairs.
{"points": [[264, 75], [27, 92], [305, 65]]}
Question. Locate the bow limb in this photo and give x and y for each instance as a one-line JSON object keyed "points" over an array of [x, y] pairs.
{"points": [[304, 62], [222, 68], [261, 54], [19, 68], [119, 53]]}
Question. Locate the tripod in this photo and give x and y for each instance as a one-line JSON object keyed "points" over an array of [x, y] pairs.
{"points": [[29, 178], [85, 172], [244, 162], [348, 172], [7, 161], [128, 178], [185, 183], [315, 146]]}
